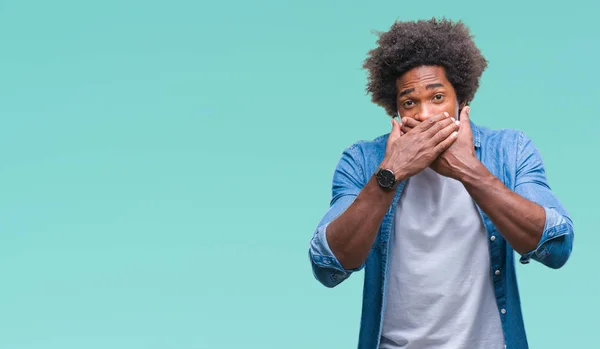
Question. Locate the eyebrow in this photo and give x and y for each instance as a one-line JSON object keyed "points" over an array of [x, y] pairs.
{"points": [[428, 87]]}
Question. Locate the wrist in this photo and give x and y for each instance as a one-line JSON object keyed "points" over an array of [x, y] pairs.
{"points": [[399, 172], [473, 173]]}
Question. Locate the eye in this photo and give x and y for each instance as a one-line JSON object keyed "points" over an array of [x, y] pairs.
{"points": [[438, 97], [408, 104]]}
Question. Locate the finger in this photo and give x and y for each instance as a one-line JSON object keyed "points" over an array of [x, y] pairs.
{"points": [[410, 122], [438, 126], [395, 133], [425, 125], [397, 127], [446, 143], [445, 132], [464, 114], [465, 121], [405, 129]]}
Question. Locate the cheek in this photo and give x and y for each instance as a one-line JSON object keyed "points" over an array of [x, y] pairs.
{"points": [[431, 109], [424, 110], [451, 107]]}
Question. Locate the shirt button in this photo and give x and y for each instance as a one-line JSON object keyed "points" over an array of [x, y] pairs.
{"points": [[497, 272], [503, 311], [492, 238]]}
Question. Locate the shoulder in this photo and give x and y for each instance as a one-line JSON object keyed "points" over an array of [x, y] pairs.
{"points": [[506, 151], [366, 155], [369, 148], [506, 140]]}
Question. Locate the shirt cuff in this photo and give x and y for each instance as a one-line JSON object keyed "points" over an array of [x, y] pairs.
{"points": [[322, 255], [552, 230]]}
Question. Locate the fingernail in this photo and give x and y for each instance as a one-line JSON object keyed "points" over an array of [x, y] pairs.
{"points": [[446, 113], [454, 134], [457, 122], [403, 120]]}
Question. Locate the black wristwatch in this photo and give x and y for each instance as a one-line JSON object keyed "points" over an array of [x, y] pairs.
{"points": [[386, 178]]}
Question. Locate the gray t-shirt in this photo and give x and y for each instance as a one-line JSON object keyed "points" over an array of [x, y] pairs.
{"points": [[440, 292]]}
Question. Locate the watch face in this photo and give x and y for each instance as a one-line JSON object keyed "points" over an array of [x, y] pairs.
{"points": [[386, 178]]}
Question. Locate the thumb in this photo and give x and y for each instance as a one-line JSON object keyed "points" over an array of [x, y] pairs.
{"points": [[464, 113], [465, 121], [396, 131]]}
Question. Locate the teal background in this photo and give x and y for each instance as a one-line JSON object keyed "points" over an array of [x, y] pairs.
{"points": [[164, 163]]}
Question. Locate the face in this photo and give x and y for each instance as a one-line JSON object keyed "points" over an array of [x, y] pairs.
{"points": [[424, 92]]}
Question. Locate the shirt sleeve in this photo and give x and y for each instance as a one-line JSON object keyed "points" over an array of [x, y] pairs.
{"points": [[556, 243], [346, 185]]}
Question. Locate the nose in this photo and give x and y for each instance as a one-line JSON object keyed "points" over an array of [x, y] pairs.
{"points": [[424, 113]]}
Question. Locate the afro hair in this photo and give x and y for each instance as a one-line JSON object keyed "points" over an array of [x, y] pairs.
{"points": [[434, 42]]}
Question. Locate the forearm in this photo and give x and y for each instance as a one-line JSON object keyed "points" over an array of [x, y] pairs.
{"points": [[351, 235], [520, 221]]}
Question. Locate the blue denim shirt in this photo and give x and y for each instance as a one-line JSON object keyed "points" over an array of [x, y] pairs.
{"points": [[511, 157]]}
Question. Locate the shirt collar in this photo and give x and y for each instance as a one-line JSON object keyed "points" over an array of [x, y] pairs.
{"points": [[476, 135]]}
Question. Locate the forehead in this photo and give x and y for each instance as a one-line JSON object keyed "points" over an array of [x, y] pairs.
{"points": [[422, 76]]}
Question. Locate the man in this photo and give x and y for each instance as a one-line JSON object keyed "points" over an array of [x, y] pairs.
{"points": [[434, 210]]}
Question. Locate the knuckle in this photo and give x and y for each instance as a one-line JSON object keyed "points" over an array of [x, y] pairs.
{"points": [[440, 137], [440, 126]]}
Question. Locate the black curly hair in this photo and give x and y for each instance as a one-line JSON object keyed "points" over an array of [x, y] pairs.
{"points": [[435, 42]]}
